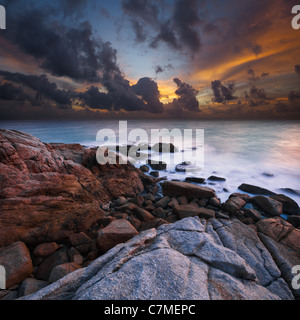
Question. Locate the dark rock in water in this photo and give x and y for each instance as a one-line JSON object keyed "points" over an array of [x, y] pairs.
{"points": [[154, 174], [268, 174], [215, 178], [289, 205], [157, 165], [195, 179], [269, 206], [291, 191], [255, 189], [186, 167], [144, 168], [164, 147], [254, 214]]}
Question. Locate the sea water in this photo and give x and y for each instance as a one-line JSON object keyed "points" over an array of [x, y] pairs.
{"points": [[262, 153]]}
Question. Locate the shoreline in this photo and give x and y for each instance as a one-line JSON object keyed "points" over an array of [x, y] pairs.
{"points": [[68, 211]]}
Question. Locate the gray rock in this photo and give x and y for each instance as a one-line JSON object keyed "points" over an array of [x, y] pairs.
{"points": [[191, 259], [31, 285]]}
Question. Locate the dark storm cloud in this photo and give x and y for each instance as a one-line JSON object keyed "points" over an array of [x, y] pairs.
{"points": [[148, 90], [187, 96], [95, 99], [8, 91], [63, 51], [160, 69], [222, 93], [180, 30], [42, 86]]}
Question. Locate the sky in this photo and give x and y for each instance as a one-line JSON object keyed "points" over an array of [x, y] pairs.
{"points": [[156, 59]]}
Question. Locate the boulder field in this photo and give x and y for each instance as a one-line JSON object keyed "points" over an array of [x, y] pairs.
{"points": [[73, 229]]}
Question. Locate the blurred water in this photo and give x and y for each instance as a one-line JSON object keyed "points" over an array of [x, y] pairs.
{"points": [[240, 151]]}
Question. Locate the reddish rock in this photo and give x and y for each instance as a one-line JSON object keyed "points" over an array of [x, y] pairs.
{"points": [[62, 270], [185, 210], [50, 191], [270, 206], [45, 249], [178, 188], [118, 231], [281, 231], [234, 204], [206, 213], [81, 242], [17, 263], [143, 214]]}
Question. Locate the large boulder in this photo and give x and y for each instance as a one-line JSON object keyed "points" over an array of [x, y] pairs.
{"points": [[50, 191], [255, 189], [17, 263], [178, 188], [270, 206], [191, 259]]}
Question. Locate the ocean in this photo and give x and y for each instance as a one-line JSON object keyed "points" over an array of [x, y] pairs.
{"points": [[262, 153]]}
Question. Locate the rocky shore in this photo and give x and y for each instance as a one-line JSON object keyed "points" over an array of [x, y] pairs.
{"points": [[73, 229]]}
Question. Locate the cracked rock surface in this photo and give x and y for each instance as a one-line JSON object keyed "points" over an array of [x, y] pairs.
{"points": [[189, 259]]}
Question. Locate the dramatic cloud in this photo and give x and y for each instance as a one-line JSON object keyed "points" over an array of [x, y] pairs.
{"points": [[43, 87], [9, 91], [95, 99], [187, 96], [221, 92], [148, 90]]}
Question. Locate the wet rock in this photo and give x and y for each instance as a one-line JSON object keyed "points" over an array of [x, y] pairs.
{"points": [[253, 214], [269, 206], [154, 174], [289, 206], [144, 168], [194, 179], [174, 189], [157, 165], [164, 147], [255, 190], [234, 204], [294, 220], [215, 178], [186, 167]]}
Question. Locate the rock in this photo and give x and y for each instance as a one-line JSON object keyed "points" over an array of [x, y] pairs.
{"points": [[294, 220], [175, 188], [269, 206], [154, 174], [289, 206], [135, 222], [255, 190], [50, 191], [215, 202], [62, 270], [195, 179], [281, 232], [155, 223], [244, 196], [31, 285], [206, 213], [138, 200], [144, 168], [75, 256], [253, 214], [120, 201], [164, 147], [185, 210], [58, 257], [118, 231], [81, 242], [45, 249], [215, 178], [291, 191], [163, 202], [17, 263], [185, 260], [157, 165], [149, 196], [159, 213], [186, 167], [143, 214], [234, 204]]}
